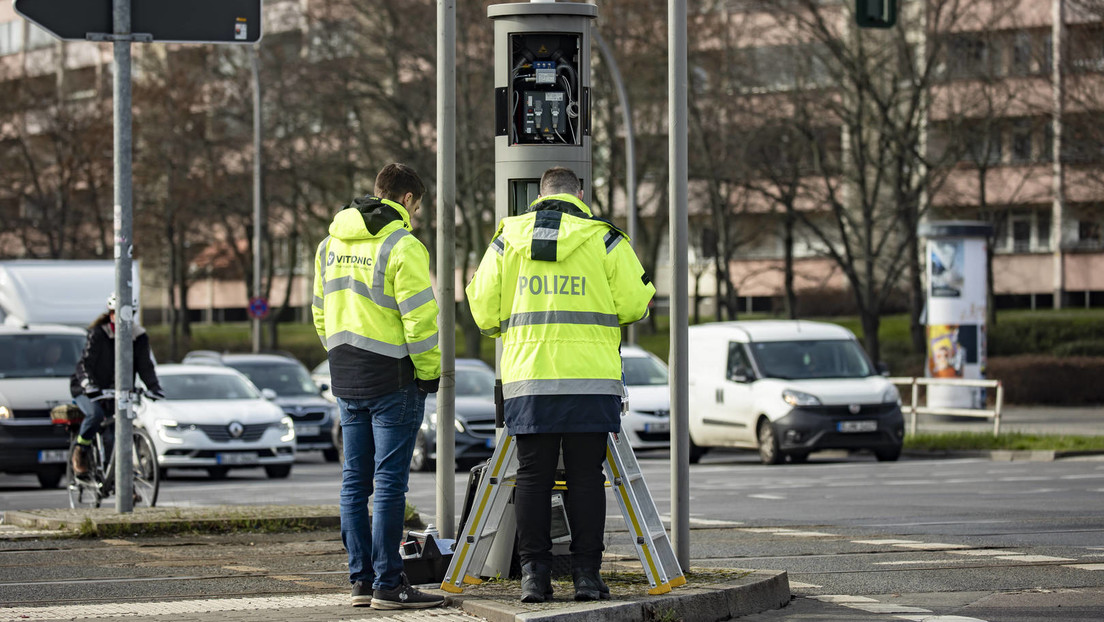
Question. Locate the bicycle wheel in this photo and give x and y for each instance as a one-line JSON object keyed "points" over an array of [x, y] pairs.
{"points": [[147, 476], [83, 492]]}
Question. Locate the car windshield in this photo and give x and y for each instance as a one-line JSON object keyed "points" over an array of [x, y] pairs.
{"points": [[39, 356], [283, 378], [644, 371], [207, 387], [811, 359], [474, 382]]}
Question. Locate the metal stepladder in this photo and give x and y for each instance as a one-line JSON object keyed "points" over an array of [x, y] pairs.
{"points": [[492, 496]]}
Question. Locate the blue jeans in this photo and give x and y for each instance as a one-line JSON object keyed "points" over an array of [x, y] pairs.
{"points": [[93, 416], [379, 438]]}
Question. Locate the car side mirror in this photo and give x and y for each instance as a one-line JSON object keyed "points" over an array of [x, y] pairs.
{"points": [[742, 374], [883, 368], [268, 394]]}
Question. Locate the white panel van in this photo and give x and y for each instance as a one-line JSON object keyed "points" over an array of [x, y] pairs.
{"points": [[788, 388]]}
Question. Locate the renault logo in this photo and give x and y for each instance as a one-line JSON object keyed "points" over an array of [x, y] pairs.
{"points": [[235, 429], [854, 409]]}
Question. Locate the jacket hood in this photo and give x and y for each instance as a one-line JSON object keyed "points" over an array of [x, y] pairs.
{"points": [[366, 217], [560, 222]]}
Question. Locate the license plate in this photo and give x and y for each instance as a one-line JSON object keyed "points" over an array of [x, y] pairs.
{"points": [[307, 430], [248, 457], [657, 427], [53, 456], [866, 425]]}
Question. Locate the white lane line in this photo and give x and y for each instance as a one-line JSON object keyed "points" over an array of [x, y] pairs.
{"points": [[887, 608], [804, 586], [768, 497], [1086, 566], [1035, 558], [919, 562], [841, 599], [983, 552], [923, 618], [214, 605], [885, 541], [932, 546]]}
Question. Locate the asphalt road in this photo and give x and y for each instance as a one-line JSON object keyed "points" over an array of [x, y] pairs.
{"points": [[934, 540]]}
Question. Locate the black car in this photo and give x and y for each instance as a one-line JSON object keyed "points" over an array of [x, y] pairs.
{"points": [[294, 390], [475, 414]]}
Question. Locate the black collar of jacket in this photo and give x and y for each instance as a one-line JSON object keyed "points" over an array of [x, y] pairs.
{"points": [[376, 213], [559, 206]]}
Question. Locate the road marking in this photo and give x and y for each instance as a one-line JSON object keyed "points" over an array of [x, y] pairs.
{"points": [[922, 562], [901, 612], [983, 552], [804, 586], [245, 569], [885, 541], [932, 546], [1035, 558], [768, 497], [1086, 566], [214, 605]]}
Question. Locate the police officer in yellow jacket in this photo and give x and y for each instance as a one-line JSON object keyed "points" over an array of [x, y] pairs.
{"points": [[376, 314], [556, 285]]}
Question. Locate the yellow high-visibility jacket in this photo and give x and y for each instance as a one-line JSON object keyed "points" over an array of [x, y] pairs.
{"points": [[556, 285], [373, 305]]}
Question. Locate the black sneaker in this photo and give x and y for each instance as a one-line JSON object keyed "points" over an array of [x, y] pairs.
{"points": [[405, 597], [362, 594]]}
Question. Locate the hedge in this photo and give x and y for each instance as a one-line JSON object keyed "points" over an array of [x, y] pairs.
{"points": [[1047, 379]]}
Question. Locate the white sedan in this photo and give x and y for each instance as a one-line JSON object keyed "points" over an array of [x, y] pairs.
{"points": [[647, 425], [213, 418]]}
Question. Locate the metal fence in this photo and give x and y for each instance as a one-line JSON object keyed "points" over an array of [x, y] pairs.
{"points": [[914, 408]]}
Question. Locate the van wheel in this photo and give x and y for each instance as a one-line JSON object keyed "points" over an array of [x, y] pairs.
{"points": [[696, 452], [768, 444], [888, 455]]}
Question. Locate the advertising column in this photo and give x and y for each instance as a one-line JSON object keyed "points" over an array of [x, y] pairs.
{"points": [[956, 309]]}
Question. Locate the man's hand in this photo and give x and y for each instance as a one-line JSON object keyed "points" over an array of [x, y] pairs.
{"points": [[428, 386]]}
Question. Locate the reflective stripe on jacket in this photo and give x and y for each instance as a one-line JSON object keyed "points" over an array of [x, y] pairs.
{"points": [[556, 285], [373, 304]]}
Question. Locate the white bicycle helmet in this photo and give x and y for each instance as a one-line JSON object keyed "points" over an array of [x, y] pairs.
{"points": [[111, 302]]}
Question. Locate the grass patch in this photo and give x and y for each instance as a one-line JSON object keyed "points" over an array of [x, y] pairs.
{"points": [[1014, 441]]}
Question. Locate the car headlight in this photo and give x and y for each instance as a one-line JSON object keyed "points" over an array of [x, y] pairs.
{"points": [[799, 398], [288, 429], [6, 413], [891, 395], [169, 431], [431, 423]]}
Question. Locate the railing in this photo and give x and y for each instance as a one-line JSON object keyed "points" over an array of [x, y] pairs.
{"points": [[914, 409]]}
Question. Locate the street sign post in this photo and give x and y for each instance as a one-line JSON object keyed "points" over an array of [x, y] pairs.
{"points": [[122, 22], [194, 21], [258, 308]]}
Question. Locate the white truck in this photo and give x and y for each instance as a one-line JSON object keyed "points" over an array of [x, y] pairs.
{"points": [[44, 307]]}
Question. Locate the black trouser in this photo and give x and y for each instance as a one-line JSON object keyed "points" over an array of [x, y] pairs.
{"points": [[538, 456]]}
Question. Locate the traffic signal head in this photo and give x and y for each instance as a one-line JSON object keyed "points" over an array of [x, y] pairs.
{"points": [[876, 13]]}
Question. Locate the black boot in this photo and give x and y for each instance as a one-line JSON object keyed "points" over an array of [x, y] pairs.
{"points": [[589, 584], [536, 583]]}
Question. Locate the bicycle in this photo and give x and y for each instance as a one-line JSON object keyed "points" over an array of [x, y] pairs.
{"points": [[98, 483]]}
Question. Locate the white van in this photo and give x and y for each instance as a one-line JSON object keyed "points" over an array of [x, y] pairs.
{"points": [[788, 388]]}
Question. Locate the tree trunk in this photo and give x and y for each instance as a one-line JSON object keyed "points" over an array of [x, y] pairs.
{"points": [[916, 296], [870, 324]]}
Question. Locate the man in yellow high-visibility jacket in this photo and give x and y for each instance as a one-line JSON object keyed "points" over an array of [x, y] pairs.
{"points": [[376, 314], [556, 285]]}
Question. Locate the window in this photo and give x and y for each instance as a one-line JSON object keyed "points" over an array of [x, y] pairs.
{"points": [[739, 369], [1088, 233], [1021, 234], [1021, 141], [38, 38], [1021, 54], [11, 37]]}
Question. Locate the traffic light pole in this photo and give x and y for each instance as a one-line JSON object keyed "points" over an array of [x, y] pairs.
{"points": [[124, 249]]}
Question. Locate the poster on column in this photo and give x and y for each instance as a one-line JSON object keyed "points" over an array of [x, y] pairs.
{"points": [[956, 319]]}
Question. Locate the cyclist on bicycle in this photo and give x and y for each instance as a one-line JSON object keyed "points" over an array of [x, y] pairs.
{"points": [[96, 372]]}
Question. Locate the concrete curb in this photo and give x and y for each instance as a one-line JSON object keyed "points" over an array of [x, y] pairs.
{"points": [[174, 520], [1004, 455], [758, 591]]}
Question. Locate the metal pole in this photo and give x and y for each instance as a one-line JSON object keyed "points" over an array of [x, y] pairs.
{"points": [[630, 149], [678, 85], [124, 249], [446, 260], [258, 209], [1058, 171]]}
